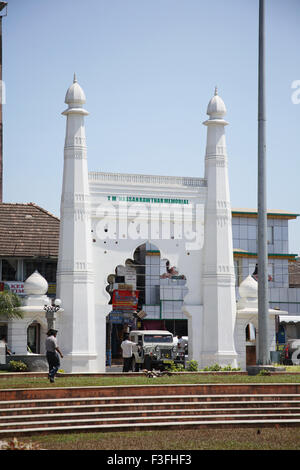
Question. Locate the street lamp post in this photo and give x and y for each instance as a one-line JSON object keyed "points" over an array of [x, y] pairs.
{"points": [[51, 313], [3, 12], [262, 248]]}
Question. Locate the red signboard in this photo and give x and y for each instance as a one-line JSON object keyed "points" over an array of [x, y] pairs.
{"points": [[125, 299], [16, 287]]}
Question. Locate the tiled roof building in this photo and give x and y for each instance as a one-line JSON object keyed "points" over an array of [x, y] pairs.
{"points": [[27, 230], [294, 273], [29, 237]]}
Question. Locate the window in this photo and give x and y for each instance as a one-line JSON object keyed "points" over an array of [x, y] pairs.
{"points": [[252, 232], [3, 330], [270, 270], [47, 269], [50, 272], [9, 269], [158, 339], [31, 266], [250, 332], [270, 235]]}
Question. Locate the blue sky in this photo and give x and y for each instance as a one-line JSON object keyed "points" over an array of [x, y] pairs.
{"points": [[149, 68]]}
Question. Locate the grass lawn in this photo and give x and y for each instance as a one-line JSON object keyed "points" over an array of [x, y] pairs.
{"points": [[192, 439], [276, 438], [61, 381]]}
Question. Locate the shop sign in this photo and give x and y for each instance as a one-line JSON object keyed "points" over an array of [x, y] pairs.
{"points": [[14, 286], [116, 317], [129, 319], [125, 299], [51, 288]]}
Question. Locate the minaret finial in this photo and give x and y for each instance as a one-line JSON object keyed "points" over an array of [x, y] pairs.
{"points": [[216, 90], [75, 78]]}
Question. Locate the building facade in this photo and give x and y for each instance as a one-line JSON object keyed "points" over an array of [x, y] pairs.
{"points": [[28, 243], [283, 266], [106, 219], [148, 251]]}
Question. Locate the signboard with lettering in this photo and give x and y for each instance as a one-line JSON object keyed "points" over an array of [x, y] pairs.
{"points": [[153, 200], [125, 299], [130, 276], [118, 317], [14, 286]]}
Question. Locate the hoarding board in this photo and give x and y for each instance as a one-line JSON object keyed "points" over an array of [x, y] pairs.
{"points": [[125, 299]]}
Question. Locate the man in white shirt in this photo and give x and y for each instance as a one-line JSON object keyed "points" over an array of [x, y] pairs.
{"points": [[181, 344], [126, 346]]}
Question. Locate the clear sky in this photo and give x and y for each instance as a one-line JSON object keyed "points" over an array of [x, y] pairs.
{"points": [[148, 69]]}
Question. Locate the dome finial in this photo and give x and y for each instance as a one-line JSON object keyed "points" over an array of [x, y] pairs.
{"points": [[75, 96], [35, 284], [216, 108]]}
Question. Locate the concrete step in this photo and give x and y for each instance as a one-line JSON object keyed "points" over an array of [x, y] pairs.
{"points": [[24, 419], [86, 406], [83, 410], [150, 399], [155, 425], [120, 407], [150, 420]]}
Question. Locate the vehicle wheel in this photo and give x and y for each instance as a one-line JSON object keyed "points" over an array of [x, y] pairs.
{"points": [[148, 363]]}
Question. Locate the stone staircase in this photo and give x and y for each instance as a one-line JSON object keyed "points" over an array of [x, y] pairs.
{"points": [[96, 409]]}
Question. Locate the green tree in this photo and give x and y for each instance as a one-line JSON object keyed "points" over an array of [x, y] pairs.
{"points": [[9, 305]]}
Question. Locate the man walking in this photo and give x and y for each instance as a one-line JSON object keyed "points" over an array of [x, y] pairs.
{"points": [[126, 346], [52, 351]]}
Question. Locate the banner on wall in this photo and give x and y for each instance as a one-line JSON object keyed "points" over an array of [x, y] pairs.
{"points": [[14, 286], [17, 287], [119, 317], [125, 299]]}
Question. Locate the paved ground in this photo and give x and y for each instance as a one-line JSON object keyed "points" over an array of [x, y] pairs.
{"points": [[114, 368]]}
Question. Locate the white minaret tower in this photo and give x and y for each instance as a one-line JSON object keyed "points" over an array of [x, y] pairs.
{"points": [[219, 304], [75, 274]]}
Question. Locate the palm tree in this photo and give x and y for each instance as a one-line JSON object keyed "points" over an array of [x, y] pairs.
{"points": [[9, 305]]}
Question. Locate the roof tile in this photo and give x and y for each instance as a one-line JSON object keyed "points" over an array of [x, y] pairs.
{"points": [[28, 230]]}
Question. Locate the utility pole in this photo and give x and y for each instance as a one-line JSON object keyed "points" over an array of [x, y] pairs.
{"points": [[263, 294], [2, 6]]}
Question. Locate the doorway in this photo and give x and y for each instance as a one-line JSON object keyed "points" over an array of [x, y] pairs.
{"points": [[33, 338], [147, 292], [250, 336]]}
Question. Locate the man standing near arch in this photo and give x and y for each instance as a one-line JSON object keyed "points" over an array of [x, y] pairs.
{"points": [[126, 347], [52, 351]]}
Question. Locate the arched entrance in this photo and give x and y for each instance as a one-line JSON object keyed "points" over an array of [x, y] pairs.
{"points": [[145, 293], [250, 337], [33, 338]]}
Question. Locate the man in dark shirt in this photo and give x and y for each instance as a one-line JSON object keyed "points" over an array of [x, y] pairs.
{"points": [[51, 353]]}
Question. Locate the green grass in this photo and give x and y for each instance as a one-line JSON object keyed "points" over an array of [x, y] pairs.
{"points": [[278, 438], [42, 382], [292, 368]]}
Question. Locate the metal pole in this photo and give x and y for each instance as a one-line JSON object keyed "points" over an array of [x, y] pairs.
{"points": [[1, 120], [263, 301]]}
